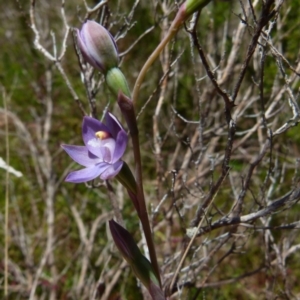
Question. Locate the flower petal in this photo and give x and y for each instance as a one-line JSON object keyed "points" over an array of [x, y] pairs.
{"points": [[120, 147], [84, 51], [103, 149], [91, 50], [81, 155], [113, 124], [107, 152], [87, 174], [112, 171], [89, 127]]}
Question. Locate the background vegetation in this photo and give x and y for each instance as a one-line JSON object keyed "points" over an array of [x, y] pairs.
{"points": [[222, 183]]}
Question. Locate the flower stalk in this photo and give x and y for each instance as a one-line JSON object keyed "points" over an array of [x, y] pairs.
{"points": [[185, 10], [127, 108]]}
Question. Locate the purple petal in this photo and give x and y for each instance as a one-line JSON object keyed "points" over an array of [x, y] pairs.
{"points": [[103, 149], [89, 127], [87, 45], [120, 147], [107, 153], [81, 155], [113, 124], [112, 171], [87, 174], [84, 51]]}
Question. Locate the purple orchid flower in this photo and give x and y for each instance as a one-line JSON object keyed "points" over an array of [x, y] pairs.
{"points": [[104, 147]]}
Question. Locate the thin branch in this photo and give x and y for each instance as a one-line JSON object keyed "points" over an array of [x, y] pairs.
{"points": [[229, 104], [280, 204], [7, 195], [265, 16]]}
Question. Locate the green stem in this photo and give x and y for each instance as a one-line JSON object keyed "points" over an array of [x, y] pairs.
{"points": [[143, 215], [177, 22], [185, 10]]}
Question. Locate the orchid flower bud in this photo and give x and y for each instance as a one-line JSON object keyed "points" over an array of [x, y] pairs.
{"points": [[192, 6], [117, 82], [97, 46]]}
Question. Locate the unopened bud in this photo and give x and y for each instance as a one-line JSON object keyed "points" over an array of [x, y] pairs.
{"points": [[117, 82], [97, 46], [192, 6]]}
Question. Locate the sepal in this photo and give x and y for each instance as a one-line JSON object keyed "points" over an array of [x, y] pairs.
{"points": [[140, 265]]}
